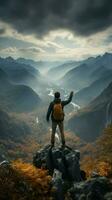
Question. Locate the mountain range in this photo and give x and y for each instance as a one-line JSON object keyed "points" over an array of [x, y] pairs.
{"points": [[89, 122], [87, 94], [42, 66], [15, 94], [19, 73], [87, 72], [60, 70]]}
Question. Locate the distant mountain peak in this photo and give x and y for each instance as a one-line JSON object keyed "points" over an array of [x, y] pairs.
{"points": [[108, 54], [10, 59]]}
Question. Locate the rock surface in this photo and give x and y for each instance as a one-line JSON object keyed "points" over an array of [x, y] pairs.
{"points": [[98, 188], [65, 160], [62, 164], [68, 180]]}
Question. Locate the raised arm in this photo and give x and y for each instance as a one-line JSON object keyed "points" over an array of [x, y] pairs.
{"points": [[64, 103]]}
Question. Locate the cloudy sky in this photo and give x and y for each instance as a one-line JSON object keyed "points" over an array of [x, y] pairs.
{"points": [[55, 29]]}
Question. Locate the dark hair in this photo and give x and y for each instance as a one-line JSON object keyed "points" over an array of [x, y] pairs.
{"points": [[57, 95]]}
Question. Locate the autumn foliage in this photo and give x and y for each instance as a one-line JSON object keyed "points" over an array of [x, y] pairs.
{"points": [[22, 181], [99, 157]]}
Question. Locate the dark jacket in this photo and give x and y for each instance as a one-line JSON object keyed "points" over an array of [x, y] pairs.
{"points": [[57, 100]]}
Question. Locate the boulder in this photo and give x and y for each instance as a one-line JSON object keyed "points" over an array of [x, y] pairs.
{"points": [[96, 188], [65, 160], [4, 163], [108, 196]]}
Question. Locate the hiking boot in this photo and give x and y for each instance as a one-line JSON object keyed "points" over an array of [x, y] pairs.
{"points": [[63, 146], [68, 147]]}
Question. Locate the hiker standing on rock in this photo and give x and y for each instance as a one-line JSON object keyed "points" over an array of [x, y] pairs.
{"points": [[56, 110]]}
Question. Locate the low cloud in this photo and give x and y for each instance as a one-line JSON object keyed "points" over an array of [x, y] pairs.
{"points": [[31, 50]]}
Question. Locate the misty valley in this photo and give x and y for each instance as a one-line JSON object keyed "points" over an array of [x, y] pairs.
{"points": [[26, 89]]}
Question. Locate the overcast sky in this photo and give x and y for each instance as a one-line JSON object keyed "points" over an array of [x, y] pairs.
{"points": [[55, 29]]}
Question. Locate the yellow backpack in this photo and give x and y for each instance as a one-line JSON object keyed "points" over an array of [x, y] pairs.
{"points": [[58, 113]]}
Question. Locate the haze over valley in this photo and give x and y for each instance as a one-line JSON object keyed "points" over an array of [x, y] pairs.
{"points": [[26, 89]]}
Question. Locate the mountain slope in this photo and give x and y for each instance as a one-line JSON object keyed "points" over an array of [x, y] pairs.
{"points": [[17, 98], [20, 180], [42, 66], [89, 122], [22, 99], [5, 83], [9, 64], [87, 94], [86, 73], [20, 73], [25, 74], [19, 135], [77, 78], [59, 71], [11, 127]]}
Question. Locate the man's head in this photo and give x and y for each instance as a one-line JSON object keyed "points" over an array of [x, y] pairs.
{"points": [[57, 95]]}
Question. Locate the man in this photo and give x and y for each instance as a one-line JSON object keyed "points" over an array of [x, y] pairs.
{"points": [[56, 110]]}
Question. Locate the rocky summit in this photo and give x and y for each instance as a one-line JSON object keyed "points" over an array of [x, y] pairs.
{"points": [[68, 180], [65, 160]]}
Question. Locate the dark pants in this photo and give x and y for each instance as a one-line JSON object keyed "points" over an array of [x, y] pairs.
{"points": [[61, 128]]}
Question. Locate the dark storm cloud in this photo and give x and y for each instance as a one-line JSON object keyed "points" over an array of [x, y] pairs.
{"points": [[40, 16]]}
